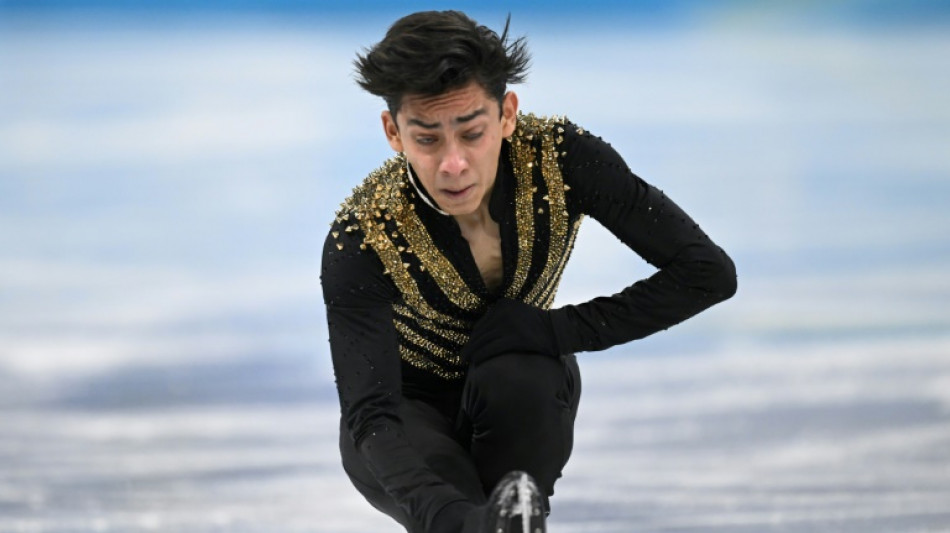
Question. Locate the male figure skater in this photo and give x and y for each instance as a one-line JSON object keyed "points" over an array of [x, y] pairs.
{"points": [[458, 383]]}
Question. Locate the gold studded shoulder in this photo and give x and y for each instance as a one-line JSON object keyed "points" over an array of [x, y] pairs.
{"points": [[530, 126]]}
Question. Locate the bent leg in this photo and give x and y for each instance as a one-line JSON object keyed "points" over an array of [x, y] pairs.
{"points": [[433, 436], [521, 409]]}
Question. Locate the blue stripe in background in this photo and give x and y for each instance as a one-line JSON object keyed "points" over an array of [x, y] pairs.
{"points": [[866, 11]]}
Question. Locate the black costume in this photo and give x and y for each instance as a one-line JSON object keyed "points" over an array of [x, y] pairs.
{"points": [[408, 310]]}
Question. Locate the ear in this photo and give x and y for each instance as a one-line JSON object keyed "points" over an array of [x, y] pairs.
{"points": [[391, 130], [509, 114]]}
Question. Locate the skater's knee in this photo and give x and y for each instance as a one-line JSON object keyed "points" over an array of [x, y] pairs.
{"points": [[513, 380]]}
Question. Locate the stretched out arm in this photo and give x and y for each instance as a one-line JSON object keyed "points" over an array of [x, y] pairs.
{"points": [[366, 362]]}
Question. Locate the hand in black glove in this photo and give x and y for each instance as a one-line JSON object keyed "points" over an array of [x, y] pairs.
{"points": [[511, 326]]}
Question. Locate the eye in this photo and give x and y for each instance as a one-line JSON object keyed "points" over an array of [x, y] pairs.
{"points": [[474, 136], [425, 141]]}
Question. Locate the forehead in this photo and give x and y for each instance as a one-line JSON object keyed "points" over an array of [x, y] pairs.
{"points": [[446, 106]]}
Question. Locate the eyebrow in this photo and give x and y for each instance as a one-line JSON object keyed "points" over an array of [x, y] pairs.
{"points": [[460, 120]]}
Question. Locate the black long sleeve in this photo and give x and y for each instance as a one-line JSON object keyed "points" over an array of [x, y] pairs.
{"points": [[694, 273], [363, 343]]}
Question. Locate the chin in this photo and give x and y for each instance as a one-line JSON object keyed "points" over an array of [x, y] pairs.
{"points": [[471, 205], [460, 210]]}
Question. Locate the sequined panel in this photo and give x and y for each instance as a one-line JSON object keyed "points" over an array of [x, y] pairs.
{"points": [[436, 264], [551, 137], [432, 327], [433, 349], [418, 360], [523, 160]]}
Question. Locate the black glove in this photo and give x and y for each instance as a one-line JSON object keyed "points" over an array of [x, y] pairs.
{"points": [[511, 326]]}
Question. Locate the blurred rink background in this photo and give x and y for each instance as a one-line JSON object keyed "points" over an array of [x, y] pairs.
{"points": [[168, 171]]}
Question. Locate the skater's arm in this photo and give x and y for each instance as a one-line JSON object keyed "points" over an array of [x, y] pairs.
{"points": [[693, 272], [366, 364]]}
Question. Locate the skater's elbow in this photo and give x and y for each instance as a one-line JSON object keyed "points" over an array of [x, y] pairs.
{"points": [[708, 270], [727, 282], [367, 422]]}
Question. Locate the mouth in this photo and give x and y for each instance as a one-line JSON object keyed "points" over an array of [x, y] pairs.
{"points": [[457, 194]]}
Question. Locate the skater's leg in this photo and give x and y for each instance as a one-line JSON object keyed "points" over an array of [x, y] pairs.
{"points": [[521, 410], [433, 435]]}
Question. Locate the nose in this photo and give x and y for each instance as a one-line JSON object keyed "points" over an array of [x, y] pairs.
{"points": [[453, 161]]}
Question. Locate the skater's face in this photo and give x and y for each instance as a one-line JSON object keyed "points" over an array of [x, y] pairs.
{"points": [[453, 141]]}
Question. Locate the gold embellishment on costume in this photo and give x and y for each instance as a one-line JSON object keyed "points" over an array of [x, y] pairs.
{"points": [[551, 290], [420, 361], [522, 157], [431, 348], [430, 339], [554, 183], [438, 266], [383, 191], [456, 337]]}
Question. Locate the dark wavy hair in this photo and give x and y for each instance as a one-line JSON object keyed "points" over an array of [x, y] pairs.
{"points": [[432, 52]]}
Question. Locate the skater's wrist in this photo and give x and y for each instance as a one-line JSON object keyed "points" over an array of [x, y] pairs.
{"points": [[563, 331]]}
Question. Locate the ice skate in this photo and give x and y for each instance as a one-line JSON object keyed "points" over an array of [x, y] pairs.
{"points": [[515, 506]]}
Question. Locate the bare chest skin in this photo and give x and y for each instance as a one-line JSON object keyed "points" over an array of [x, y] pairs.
{"points": [[485, 243]]}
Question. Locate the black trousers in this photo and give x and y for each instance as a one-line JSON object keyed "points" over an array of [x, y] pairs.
{"points": [[517, 412]]}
